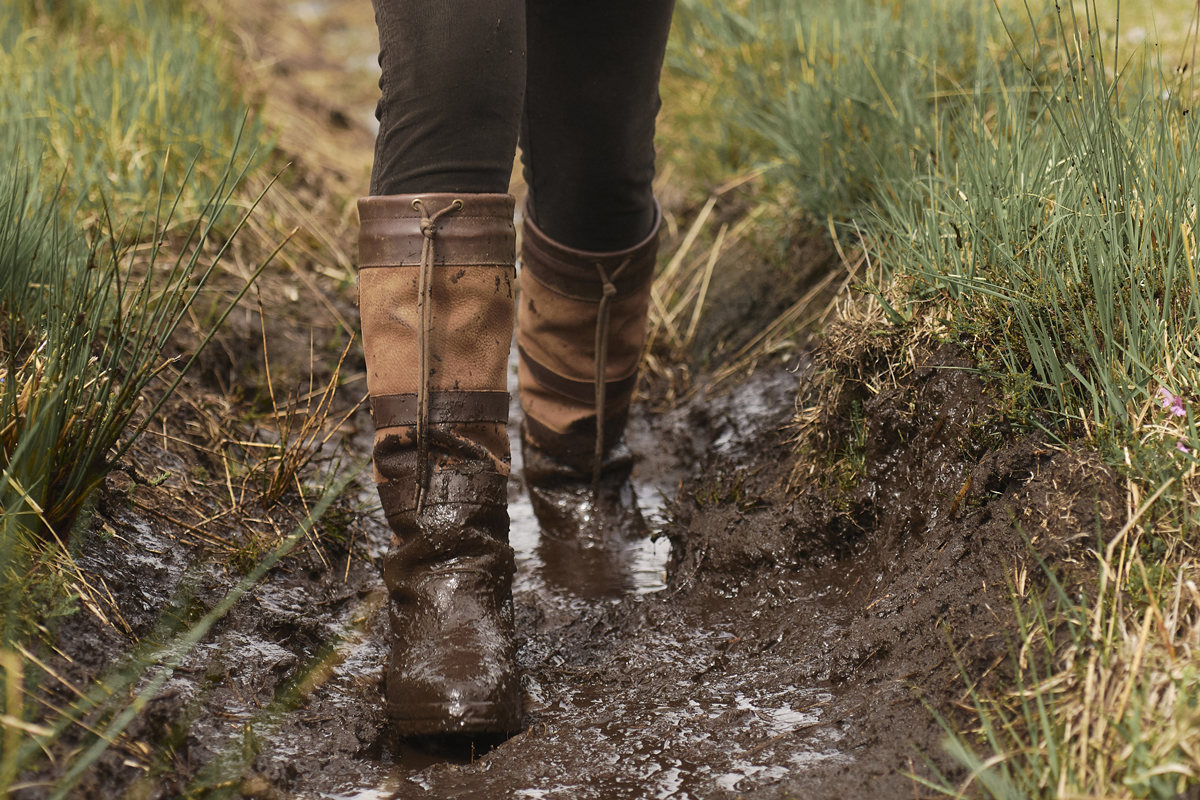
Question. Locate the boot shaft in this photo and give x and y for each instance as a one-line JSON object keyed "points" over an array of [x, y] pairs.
{"points": [[436, 294], [581, 318], [473, 250]]}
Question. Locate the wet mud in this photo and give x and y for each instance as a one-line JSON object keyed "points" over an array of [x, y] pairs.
{"points": [[772, 641]]}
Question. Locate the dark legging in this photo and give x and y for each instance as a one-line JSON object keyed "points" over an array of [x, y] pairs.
{"points": [[577, 79]]}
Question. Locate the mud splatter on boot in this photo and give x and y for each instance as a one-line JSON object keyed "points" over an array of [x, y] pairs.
{"points": [[436, 291]]}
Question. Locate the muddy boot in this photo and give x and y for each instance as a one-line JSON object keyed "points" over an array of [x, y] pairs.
{"points": [[581, 326], [436, 295]]}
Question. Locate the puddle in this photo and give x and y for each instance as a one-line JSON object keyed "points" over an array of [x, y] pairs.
{"points": [[647, 564], [366, 794]]}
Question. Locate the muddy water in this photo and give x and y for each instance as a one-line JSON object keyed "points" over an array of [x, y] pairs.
{"points": [[756, 671], [788, 655], [646, 566], [639, 694]]}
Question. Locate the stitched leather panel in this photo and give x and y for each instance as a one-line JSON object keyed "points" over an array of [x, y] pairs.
{"points": [[473, 309], [581, 391], [556, 327], [572, 273], [446, 487], [560, 332], [576, 447]]}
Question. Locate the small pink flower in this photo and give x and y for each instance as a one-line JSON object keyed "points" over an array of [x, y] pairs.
{"points": [[1172, 402], [1181, 447]]}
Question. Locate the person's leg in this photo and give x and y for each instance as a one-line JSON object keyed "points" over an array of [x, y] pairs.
{"points": [[436, 285], [450, 95], [589, 249], [587, 136]]}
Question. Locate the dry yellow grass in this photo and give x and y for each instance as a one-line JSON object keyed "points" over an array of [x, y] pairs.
{"points": [[1166, 23]]}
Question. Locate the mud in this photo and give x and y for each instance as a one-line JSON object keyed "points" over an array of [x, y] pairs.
{"points": [[798, 644]]}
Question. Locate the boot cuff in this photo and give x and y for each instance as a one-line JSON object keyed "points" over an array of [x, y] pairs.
{"points": [[572, 273], [480, 232]]}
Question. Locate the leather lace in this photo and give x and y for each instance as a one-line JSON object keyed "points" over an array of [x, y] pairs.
{"points": [[602, 331], [424, 334]]}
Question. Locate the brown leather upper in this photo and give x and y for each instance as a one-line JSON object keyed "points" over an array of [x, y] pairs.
{"points": [[572, 273], [560, 295], [472, 300], [392, 410], [443, 487], [473, 250], [481, 233]]}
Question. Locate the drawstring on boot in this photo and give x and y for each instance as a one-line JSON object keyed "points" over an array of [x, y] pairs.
{"points": [[424, 332], [602, 325]]}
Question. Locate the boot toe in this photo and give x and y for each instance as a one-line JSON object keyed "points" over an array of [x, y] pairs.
{"points": [[439, 688]]}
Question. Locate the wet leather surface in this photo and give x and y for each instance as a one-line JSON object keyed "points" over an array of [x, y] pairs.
{"points": [[453, 663], [588, 542], [449, 572], [559, 306]]}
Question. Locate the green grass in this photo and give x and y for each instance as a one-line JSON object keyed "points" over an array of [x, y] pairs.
{"points": [[1062, 239], [1026, 182], [1060, 250], [129, 139], [100, 92], [841, 102]]}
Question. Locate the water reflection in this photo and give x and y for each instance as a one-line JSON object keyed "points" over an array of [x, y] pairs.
{"points": [[557, 568]]}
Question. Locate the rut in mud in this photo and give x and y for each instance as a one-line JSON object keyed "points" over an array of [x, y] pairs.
{"points": [[795, 650]]}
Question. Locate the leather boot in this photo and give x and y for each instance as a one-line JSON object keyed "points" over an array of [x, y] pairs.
{"points": [[436, 295], [581, 327]]}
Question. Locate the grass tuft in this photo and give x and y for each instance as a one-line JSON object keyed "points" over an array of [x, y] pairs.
{"points": [[1026, 189]]}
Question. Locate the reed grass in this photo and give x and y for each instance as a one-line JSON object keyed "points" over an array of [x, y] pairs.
{"points": [[130, 144], [99, 91], [819, 110], [1103, 701], [87, 331], [837, 102], [1060, 250], [1062, 239], [1027, 180]]}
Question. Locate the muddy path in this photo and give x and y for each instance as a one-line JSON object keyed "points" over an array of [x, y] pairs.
{"points": [[294, 672], [771, 643]]}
